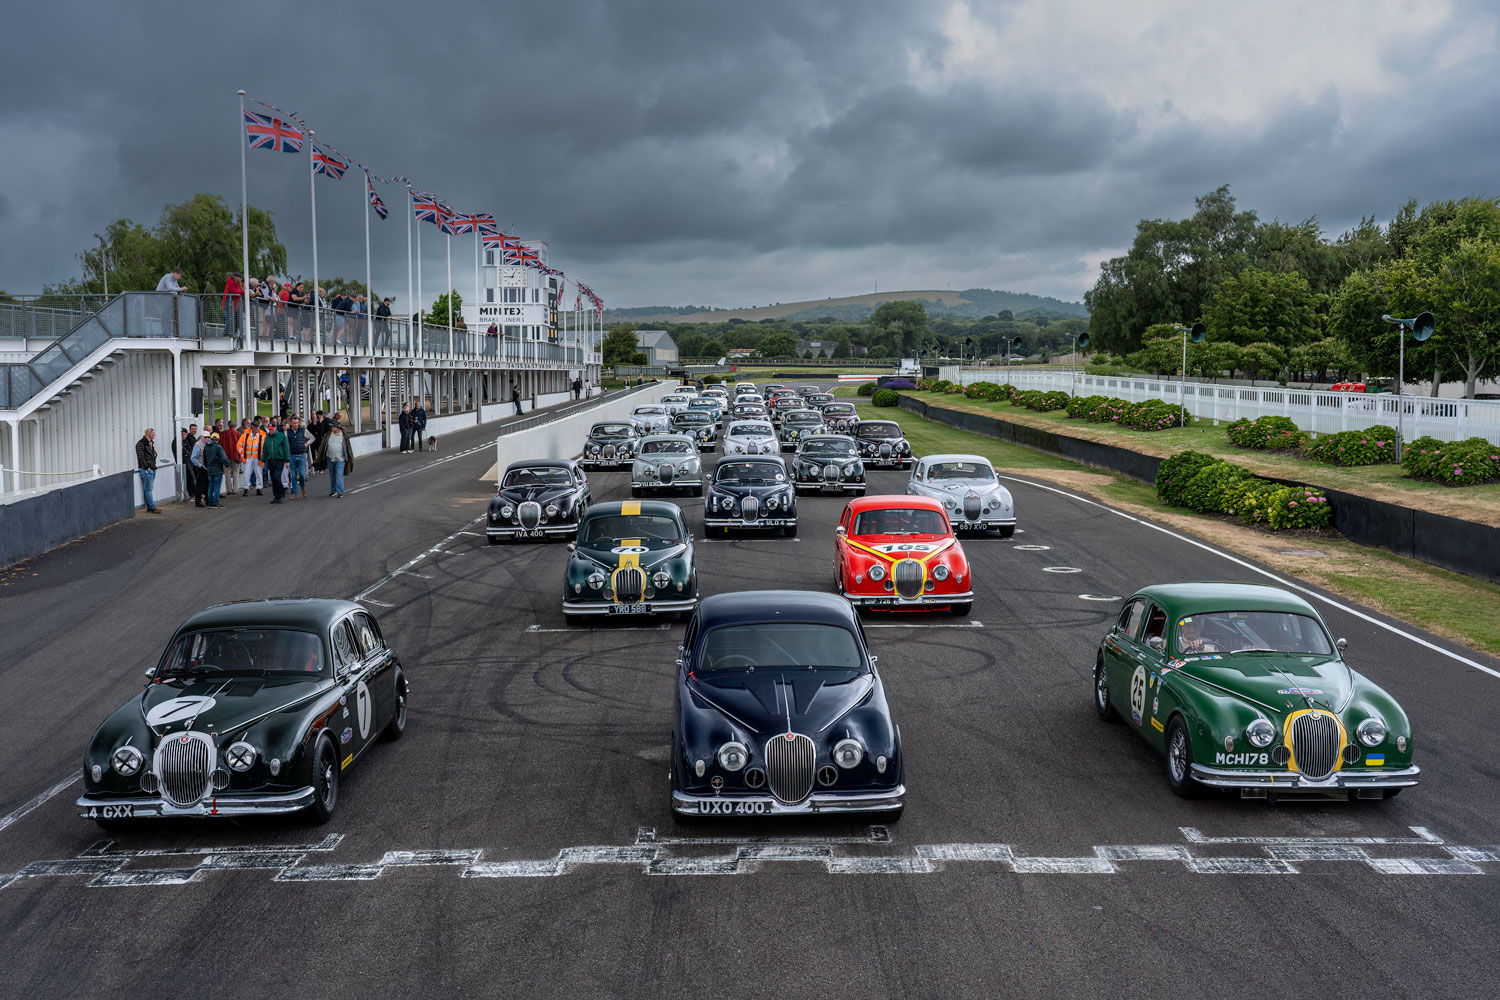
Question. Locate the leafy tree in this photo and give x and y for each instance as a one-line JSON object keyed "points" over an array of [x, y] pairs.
{"points": [[1161, 350], [1317, 357], [807, 354], [620, 346], [438, 314], [843, 349], [1462, 287], [902, 323], [689, 343], [1263, 306], [1257, 360], [353, 286], [712, 349], [779, 345]]}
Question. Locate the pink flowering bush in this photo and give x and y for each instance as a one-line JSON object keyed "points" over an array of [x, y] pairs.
{"points": [[1201, 482], [1453, 463], [1297, 507], [1266, 433], [1366, 447]]}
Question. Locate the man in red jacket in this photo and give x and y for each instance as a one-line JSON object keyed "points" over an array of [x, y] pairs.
{"points": [[234, 293], [229, 440]]}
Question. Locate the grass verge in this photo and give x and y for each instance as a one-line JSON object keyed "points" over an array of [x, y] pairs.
{"points": [[1379, 482], [1447, 604]]}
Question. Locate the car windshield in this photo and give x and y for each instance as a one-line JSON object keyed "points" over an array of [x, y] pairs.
{"points": [[900, 521], [779, 645], [703, 404], [648, 411], [612, 431], [748, 472], [244, 651], [668, 448], [693, 417], [674, 399], [960, 470], [538, 477], [802, 417], [838, 410], [654, 531], [820, 397], [828, 449], [750, 430], [1251, 631], [878, 429]]}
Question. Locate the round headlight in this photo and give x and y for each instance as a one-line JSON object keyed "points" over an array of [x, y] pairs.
{"points": [[552, 510], [596, 581], [877, 572], [733, 756], [848, 753], [126, 761], [507, 510], [950, 503], [1260, 733], [940, 572], [905, 447], [660, 580], [849, 469], [240, 756], [1371, 732]]}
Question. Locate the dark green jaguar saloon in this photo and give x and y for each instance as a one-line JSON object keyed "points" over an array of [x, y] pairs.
{"points": [[255, 707], [1243, 687]]}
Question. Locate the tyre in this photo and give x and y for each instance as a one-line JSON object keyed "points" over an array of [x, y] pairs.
{"points": [[393, 729], [894, 816], [573, 620], [961, 608], [1102, 706], [790, 531], [1179, 760], [325, 782], [1007, 531], [1390, 793], [698, 490]]}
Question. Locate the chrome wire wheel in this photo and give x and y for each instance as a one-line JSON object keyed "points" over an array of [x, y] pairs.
{"points": [[1177, 756], [1101, 688], [1180, 760]]}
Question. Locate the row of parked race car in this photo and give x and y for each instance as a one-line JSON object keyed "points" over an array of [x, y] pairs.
{"points": [[259, 706]]}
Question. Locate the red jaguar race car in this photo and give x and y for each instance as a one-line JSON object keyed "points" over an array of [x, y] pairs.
{"points": [[898, 553]]}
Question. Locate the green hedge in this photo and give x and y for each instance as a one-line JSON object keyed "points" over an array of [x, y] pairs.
{"points": [[866, 389], [1367, 447], [1266, 433], [886, 397], [1453, 463], [1201, 482]]}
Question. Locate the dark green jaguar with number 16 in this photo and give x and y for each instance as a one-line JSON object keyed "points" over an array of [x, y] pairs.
{"points": [[1242, 687], [255, 707]]}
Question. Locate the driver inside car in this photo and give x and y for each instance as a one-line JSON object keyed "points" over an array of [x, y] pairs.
{"points": [[1191, 639]]}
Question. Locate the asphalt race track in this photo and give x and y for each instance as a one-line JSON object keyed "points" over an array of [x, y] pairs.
{"points": [[518, 840]]}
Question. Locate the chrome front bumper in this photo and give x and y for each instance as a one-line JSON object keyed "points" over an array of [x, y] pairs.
{"points": [[820, 802], [612, 463], [893, 601], [685, 483], [824, 486], [1291, 781], [153, 807], [759, 522], [658, 607], [508, 530], [983, 524]]}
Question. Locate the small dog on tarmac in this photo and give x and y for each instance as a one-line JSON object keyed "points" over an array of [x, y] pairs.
{"points": [[432, 443]]}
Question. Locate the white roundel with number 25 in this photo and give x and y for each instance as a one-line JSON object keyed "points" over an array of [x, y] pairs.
{"points": [[1137, 695]]}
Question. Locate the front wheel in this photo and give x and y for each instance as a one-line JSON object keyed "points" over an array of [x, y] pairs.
{"points": [[325, 782], [1102, 706], [635, 492], [1180, 760], [790, 531], [1007, 531]]}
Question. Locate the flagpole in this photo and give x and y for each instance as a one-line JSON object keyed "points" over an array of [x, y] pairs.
{"points": [[476, 268], [409, 296], [369, 289], [244, 237], [418, 326], [312, 186], [450, 290]]}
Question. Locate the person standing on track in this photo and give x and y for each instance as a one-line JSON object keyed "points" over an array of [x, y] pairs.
{"points": [[276, 453], [215, 462], [515, 397], [405, 423], [252, 438], [338, 454], [297, 440], [145, 463], [419, 426], [229, 440]]}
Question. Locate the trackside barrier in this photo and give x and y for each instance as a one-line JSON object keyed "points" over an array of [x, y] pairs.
{"points": [[1452, 543], [561, 434], [1317, 411]]}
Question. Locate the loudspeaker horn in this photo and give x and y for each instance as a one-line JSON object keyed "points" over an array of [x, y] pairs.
{"points": [[1423, 326], [1083, 340], [1198, 332]]}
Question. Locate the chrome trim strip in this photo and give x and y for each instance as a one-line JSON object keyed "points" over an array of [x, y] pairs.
{"points": [[819, 802], [1291, 781], [151, 807], [901, 602], [602, 607]]}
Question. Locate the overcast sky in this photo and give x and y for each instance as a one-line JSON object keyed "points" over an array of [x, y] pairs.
{"points": [[737, 154]]}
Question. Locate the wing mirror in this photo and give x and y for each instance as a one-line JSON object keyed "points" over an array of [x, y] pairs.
{"points": [[572, 546], [150, 673], [839, 530], [1342, 644], [1157, 643]]}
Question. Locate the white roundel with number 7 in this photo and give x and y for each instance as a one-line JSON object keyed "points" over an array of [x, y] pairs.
{"points": [[362, 705]]}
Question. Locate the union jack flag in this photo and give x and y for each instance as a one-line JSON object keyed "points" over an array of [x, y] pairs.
{"points": [[486, 224], [375, 202], [325, 163], [265, 132], [426, 208], [480, 223], [521, 255], [498, 239]]}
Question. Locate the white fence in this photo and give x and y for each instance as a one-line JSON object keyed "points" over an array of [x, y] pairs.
{"points": [[1315, 410]]}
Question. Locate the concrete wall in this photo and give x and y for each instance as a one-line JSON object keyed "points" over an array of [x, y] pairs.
{"points": [[31, 526], [564, 438], [1461, 546]]}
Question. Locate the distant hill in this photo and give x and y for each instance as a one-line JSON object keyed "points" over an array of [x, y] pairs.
{"points": [[971, 303]]}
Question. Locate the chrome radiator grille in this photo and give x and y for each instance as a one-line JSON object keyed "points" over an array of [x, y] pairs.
{"points": [[184, 767], [530, 514], [1315, 743], [790, 766], [907, 575], [885, 451], [971, 506], [830, 472], [630, 585], [609, 451], [750, 509]]}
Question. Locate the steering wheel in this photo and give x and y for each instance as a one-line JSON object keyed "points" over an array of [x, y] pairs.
{"points": [[731, 660]]}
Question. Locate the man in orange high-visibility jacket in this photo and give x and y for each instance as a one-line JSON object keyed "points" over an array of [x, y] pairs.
{"points": [[252, 472]]}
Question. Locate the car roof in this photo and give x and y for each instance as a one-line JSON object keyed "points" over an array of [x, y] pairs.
{"points": [[1178, 599], [879, 421], [751, 606], [617, 507], [751, 458], [667, 437], [829, 437], [895, 501], [298, 612], [955, 457], [543, 463]]}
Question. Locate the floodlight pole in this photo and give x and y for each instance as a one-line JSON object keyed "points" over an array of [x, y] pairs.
{"points": [[1421, 327]]}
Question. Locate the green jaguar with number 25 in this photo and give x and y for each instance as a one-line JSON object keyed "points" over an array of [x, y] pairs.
{"points": [[1242, 687]]}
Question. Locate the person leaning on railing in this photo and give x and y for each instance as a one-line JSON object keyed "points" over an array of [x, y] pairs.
{"points": [[233, 293]]}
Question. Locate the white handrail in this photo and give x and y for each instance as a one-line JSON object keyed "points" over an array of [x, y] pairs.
{"points": [[95, 472]]}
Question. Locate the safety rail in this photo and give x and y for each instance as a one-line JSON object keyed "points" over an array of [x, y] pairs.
{"points": [[20, 492], [516, 426], [1318, 411]]}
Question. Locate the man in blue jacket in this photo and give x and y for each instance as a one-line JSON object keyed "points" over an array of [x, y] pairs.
{"points": [[297, 442], [419, 425]]}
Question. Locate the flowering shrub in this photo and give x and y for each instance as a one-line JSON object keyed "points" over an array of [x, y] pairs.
{"points": [[1454, 463], [938, 385], [1209, 488], [1266, 433], [885, 397], [1297, 507], [954, 389], [1174, 474], [1367, 447], [1079, 406], [982, 390], [900, 385], [1023, 397], [1044, 402], [1154, 415], [1249, 498]]}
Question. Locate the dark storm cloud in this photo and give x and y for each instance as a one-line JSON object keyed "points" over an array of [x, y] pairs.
{"points": [[650, 141]]}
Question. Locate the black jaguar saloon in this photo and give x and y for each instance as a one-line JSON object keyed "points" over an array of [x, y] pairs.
{"points": [[751, 491], [780, 711], [255, 707], [538, 498]]}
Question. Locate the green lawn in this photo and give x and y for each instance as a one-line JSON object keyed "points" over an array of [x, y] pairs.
{"points": [[1449, 604]]}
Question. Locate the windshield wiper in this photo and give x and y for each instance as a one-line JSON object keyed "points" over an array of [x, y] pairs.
{"points": [[1253, 649]]}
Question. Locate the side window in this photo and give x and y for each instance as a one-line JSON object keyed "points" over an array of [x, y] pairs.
{"points": [[689, 637], [366, 633], [1130, 616], [1156, 624], [343, 646], [844, 521]]}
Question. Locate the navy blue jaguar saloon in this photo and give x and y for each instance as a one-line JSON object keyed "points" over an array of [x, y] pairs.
{"points": [[780, 711]]}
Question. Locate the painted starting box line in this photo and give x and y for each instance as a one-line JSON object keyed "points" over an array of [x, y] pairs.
{"points": [[653, 855]]}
